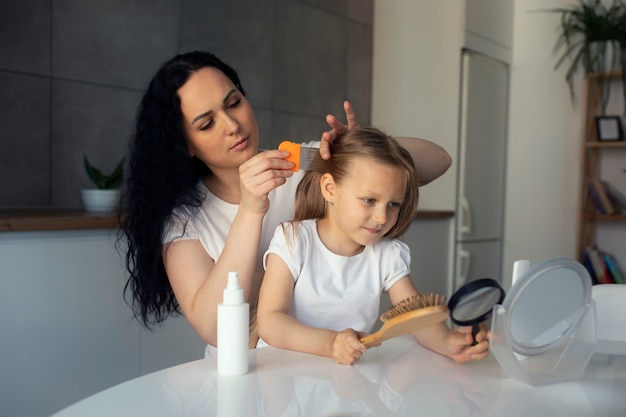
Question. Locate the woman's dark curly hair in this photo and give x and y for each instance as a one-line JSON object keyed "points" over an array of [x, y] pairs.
{"points": [[161, 176]]}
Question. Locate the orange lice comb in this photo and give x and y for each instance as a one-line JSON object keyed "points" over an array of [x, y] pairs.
{"points": [[294, 153], [301, 156]]}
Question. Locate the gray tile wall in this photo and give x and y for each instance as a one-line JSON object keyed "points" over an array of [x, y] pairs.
{"points": [[72, 73]]}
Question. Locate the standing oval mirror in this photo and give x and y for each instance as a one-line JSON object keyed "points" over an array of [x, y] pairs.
{"points": [[546, 304]]}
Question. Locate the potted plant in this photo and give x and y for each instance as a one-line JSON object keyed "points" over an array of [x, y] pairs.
{"points": [[593, 37], [105, 197]]}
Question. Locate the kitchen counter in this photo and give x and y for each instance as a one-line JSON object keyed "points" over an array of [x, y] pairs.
{"points": [[75, 219], [54, 219]]}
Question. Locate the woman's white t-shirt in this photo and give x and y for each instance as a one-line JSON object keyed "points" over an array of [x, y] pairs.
{"points": [[211, 222]]}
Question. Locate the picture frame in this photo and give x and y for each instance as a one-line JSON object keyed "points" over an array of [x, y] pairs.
{"points": [[609, 128]]}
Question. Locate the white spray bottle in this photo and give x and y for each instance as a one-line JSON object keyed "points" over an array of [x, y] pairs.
{"points": [[233, 321]]}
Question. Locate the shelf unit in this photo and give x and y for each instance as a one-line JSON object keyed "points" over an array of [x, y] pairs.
{"points": [[591, 154]]}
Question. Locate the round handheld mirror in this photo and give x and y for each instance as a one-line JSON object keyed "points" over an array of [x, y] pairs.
{"points": [[472, 304], [546, 304]]}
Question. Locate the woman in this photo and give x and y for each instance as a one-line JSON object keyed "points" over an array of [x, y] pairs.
{"points": [[200, 199]]}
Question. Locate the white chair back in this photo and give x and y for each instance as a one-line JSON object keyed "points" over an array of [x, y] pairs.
{"points": [[610, 302]]}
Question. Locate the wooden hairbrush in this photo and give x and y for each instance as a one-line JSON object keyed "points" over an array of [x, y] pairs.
{"points": [[411, 314], [301, 156]]}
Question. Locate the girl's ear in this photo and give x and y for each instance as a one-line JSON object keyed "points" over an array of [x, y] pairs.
{"points": [[327, 185]]}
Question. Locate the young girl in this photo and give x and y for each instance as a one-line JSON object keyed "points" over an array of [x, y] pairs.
{"points": [[326, 270]]}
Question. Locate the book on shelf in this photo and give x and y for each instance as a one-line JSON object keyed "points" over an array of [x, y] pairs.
{"points": [[600, 191], [589, 265], [600, 270], [603, 266], [594, 198], [616, 196], [617, 274]]}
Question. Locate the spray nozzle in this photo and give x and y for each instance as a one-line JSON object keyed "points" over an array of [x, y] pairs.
{"points": [[233, 281], [233, 293]]}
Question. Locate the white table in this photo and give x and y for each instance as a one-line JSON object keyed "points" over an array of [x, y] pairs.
{"points": [[400, 378]]}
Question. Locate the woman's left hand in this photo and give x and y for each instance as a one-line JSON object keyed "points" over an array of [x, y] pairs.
{"points": [[337, 128]]}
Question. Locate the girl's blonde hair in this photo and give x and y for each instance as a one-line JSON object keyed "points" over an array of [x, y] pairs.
{"points": [[360, 142]]}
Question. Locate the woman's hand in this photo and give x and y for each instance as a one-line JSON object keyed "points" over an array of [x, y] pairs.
{"points": [[261, 174], [337, 128]]}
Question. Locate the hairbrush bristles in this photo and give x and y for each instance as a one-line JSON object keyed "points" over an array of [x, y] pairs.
{"points": [[413, 303]]}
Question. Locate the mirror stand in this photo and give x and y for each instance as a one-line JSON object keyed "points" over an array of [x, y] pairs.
{"points": [[565, 361]]}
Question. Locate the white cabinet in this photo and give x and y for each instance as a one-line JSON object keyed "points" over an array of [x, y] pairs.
{"points": [[429, 240], [66, 331], [174, 342]]}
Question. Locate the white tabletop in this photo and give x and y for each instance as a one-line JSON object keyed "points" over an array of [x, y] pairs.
{"points": [[400, 378]]}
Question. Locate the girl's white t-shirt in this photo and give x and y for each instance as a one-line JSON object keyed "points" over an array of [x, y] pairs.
{"points": [[333, 291]]}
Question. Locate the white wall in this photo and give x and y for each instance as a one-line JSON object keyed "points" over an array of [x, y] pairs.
{"points": [[544, 142], [416, 79], [415, 92], [488, 27]]}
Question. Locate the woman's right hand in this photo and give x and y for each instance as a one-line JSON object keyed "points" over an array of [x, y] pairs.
{"points": [[261, 174]]}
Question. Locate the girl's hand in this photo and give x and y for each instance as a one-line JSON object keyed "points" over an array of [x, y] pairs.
{"points": [[459, 344], [261, 174], [346, 347], [337, 128]]}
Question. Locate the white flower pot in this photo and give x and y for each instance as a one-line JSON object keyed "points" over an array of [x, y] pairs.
{"points": [[100, 201]]}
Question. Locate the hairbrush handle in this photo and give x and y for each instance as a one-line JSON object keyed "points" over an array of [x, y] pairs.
{"points": [[406, 323]]}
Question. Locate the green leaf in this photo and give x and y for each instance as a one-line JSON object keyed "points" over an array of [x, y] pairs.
{"points": [[102, 181], [588, 31]]}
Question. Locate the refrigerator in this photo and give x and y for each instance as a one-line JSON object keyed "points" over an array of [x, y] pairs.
{"points": [[482, 166]]}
